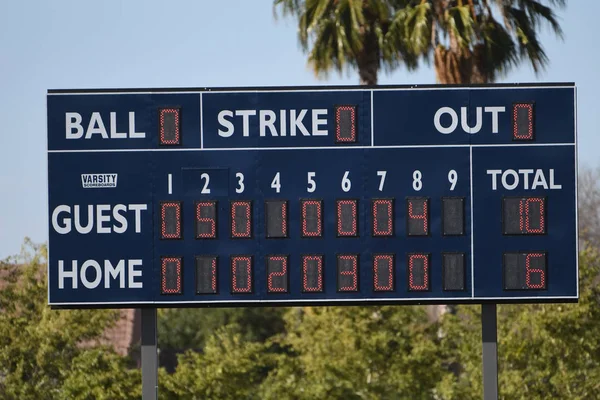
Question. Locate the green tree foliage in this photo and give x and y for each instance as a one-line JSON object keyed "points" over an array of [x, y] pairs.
{"points": [[42, 351], [472, 41], [357, 353], [546, 351]]}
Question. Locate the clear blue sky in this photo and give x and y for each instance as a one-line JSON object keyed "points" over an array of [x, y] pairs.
{"points": [[147, 43]]}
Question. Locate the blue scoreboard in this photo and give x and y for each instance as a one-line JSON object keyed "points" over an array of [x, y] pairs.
{"points": [[312, 195]]}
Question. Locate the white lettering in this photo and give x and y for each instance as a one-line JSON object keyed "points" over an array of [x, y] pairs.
{"points": [[225, 123], [101, 218], [66, 228], [552, 184], [515, 176], [113, 128], [495, 111], [138, 208], [438, 117], [494, 173], [296, 122], [133, 273], [525, 173], [464, 120], [120, 218], [282, 125], [83, 275], [245, 120], [96, 126], [90, 221], [62, 274], [539, 180], [267, 119], [316, 121], [73, 121], [114, 272], [132, 133]]}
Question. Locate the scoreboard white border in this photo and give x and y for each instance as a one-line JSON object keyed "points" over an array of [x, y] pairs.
{"points": [[331, 302]]}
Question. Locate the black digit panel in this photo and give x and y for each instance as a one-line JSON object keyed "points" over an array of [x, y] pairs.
{"points": [[241, 274], [277, 274], [206, 275], [241, 219], [347, 217], [525, 271], [453, 216], [347, 273], [311, 218], [523, 121], [170, 220], [169, 126], [382, 211], [453, 271], [418, 272], [524, 215], [312, 273], [206, 219], [345, 124], [383, 273], [170, 275], [276, 214], [417, 211]]}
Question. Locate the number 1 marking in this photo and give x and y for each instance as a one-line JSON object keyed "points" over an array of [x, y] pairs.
{"points": [[381, 174], [170, 183]]}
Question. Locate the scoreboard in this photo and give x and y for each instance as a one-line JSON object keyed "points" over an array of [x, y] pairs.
{"points": [[312, 195]]}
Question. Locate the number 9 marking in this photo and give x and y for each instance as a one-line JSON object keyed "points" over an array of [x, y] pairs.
{"points": [[452, 178]]}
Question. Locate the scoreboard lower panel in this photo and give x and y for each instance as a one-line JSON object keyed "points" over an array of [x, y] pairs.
{"points": [[292, 227]]}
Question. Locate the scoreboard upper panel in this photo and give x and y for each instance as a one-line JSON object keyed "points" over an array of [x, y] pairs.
{"points": [[354, 195]]}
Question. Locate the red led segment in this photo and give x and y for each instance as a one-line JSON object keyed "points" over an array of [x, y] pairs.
{"points": [[525, 271], [169, 126], [170, 220], [170, 275], [206, 275], [345, 124], [418, 272], [206, 220], [312, 273], [347, 217], [383, 217], [312, 218], [417, 223], [524, 215], [241, 274], [277, 274], [241, 219], [276, 218], [347, 273], [383, 272], [523, 121]]}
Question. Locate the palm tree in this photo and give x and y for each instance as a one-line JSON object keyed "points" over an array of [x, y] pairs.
{"points": [[470, 41]]}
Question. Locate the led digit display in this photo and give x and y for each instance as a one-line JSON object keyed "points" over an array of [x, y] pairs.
{"points": [[276, 218], [383, 217], [241, 274], [169, 126], [418, 272], [170, 220], [524, 215], [241, 219], [312, 273], [206, 220], [383, 273], [525, 271], [453, 216], [347, 217], [417, 210], [345, 124], [523, 128], [206, 275], [312, 218], [347, 273], [277, 274], [170, 275], [453, 271]]}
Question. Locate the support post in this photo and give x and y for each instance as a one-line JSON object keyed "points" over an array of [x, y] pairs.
{"points": [[489, 335], [149, 355]]}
